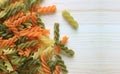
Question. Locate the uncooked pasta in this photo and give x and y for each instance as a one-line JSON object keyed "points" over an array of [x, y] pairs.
{"points": [[26, 46]]}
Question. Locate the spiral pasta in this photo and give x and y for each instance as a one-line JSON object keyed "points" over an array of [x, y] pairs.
{"points": [[60, 63], [15, 17], [70, 19], [44, 65], [4, 3], [8, 42], [49, 9], [27, 44], [40, 23], [69, 52], [5, 32], [57, 70], [56, 33], [9, 51], [8, 11], [21, 40], [21, 20]]}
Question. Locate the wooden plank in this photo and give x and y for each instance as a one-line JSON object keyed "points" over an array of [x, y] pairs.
{"points": [[96, 42]]}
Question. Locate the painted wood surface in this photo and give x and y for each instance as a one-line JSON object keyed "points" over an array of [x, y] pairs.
{"points": [[96, 42]]}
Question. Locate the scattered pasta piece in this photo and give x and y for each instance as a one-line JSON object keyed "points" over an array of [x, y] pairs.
{"points": [[70, 19]]}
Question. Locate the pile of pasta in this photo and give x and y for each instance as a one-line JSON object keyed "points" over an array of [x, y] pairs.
{"points": [[25, 43]]}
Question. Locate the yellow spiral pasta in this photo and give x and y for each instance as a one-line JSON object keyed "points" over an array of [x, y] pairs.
{"points": [[69, 18]]}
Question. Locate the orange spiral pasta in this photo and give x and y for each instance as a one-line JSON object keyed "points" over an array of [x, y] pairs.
{"points": [[64, 39], [57, 50], [57, 70], [34, 32], [8, 42], [35, 8], [31, 34], [11, 27], [34, 19], [16, 16], [49, 9], [35, 29], [25, 18], [21, 20], [44, 65], [26, 52]]}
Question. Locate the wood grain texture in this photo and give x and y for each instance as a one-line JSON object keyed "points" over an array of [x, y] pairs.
{"points": [[96, 42]]}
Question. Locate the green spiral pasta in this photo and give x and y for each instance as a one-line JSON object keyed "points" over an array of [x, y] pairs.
{"points": [[40, 23], [4, 3], [52, 64], [8, 65], [12, 9], [17, 60], [56, 33], [30, 63], [21, 40], [60, 62], [70, 19], [2, 66], [9, 51], [27, 44], [30, 4], [5, 32], [69, 52]]}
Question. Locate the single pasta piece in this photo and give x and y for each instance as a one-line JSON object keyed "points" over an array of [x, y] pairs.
{"points": [[70, 19], [49, 9], [44, 65], [57, 70], [64, 39]]}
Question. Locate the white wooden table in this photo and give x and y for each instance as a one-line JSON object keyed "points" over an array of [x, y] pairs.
{"points": [[96, 42]]}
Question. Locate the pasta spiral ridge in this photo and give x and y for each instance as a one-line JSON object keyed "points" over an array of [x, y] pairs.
{"points": [[8, 42], [60, 63], [68, 51], [9, 51], [30, 4], [44, 65], [40, 23], [56, 33], [8, 11], [49, 9], [57, 70], [21, 40], [70, 19], [21, 20], [27, 44], [11, 27], [5, 32]]}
